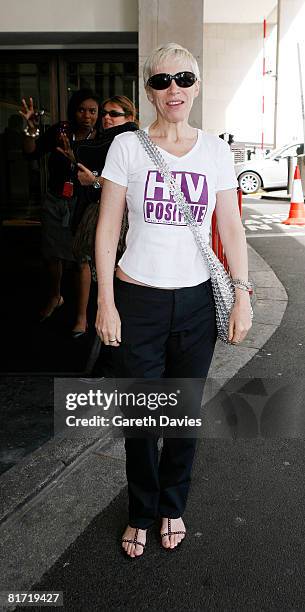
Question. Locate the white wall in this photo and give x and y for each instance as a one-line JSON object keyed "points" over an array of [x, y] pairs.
{"points": [[69, 16], [292, 30], [237, 11], [233, 82], [112, 15], [232, 71]]}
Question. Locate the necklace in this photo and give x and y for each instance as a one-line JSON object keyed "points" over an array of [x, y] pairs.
{"points": [[87, 137]]}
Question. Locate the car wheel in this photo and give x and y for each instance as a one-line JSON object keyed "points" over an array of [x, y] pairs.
{"points": [[249, 182]]}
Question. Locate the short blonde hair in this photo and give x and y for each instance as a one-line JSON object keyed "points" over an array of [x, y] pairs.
{"points": [[162, 53]]}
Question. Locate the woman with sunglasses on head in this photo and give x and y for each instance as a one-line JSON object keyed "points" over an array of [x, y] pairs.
{"points": [[118, 114], [159, 318]]}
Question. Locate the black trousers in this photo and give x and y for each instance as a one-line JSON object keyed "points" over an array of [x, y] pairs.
{"points": [[165, 333]]}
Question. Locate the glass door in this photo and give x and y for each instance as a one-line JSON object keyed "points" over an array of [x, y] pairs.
{"points": [[22, 182], [107, 76], [50, 78]]}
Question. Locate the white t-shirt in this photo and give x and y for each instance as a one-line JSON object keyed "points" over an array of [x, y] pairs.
{"points": [[160, 248]]}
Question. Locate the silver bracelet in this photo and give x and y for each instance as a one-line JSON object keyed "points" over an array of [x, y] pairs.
{"points": [[27, 133], [241, 284]]}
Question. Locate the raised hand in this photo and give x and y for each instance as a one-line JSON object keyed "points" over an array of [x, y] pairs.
{"points": [[28, 113]]}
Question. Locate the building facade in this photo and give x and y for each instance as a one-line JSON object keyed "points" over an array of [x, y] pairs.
{"points": [[53, 47]]}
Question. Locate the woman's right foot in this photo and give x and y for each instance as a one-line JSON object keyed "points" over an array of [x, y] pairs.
{"points": [[134, 548]]}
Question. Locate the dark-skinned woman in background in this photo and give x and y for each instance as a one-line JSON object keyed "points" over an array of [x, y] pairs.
{"points": [[59, 203]]}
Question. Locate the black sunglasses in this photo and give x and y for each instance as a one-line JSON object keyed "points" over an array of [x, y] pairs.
{"points": [[112, 113], [163, 80]]}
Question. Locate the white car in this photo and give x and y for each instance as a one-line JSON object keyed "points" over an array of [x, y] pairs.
{"points": [[266, 173]]}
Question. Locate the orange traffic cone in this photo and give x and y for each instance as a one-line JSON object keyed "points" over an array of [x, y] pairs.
{"points": [[297, 208]]}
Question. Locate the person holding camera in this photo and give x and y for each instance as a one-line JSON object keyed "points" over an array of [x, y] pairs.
{"points": [[60, 199]]}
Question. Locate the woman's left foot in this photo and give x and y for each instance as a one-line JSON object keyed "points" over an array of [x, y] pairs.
{"points": [[172, 532]]}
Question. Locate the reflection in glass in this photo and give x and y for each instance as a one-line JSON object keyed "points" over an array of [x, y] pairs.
{"points": [[106, 78], [21, 180]]}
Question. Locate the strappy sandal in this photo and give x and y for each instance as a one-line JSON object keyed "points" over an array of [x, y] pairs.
{"points": [[135, 542], [169, 533]]}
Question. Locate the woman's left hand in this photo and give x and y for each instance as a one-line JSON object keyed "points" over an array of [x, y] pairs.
{"points": [[66, 149], [240, 319]]}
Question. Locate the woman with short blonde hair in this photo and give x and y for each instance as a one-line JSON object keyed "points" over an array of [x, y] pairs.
{"points": [[159, 317]]}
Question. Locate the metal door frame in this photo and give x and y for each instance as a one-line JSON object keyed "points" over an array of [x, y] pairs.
{"points": [[107, 55]]}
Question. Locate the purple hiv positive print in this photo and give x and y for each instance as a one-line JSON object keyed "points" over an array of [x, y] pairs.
{"points": [[159, 205]]}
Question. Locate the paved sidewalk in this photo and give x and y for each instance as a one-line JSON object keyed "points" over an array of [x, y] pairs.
{"points": [[66, 489], [244, 515], [45, 465]]}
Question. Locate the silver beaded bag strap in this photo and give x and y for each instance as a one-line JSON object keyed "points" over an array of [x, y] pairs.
{"points": [[223, 288]]}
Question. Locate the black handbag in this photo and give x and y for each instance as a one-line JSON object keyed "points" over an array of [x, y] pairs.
{"points": [[84, 238], [92, 154]]}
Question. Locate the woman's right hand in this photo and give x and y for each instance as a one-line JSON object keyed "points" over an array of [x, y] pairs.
{"points": [[85, 176], [108, 325], [66, 148], [28, 113]]}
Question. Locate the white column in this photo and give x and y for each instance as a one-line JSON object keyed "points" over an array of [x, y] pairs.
{"points": [[291, 30], [164, 21]]}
